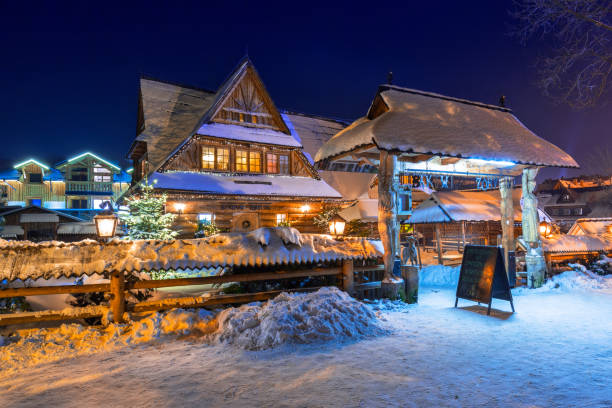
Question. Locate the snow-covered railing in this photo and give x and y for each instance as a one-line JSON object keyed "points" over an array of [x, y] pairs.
{"points": [[262, 247]]}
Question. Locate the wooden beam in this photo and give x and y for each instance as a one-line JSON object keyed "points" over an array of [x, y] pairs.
{"points": [[449, 160], [415, 159], [247, 277], [54, 290], [51, 315], [201, 301]]}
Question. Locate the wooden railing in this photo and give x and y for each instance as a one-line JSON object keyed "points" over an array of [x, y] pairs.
{"points": [[118, 286], [85, 187]]}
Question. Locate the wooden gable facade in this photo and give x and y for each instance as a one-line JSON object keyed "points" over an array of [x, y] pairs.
{"points": [[248, 158]]}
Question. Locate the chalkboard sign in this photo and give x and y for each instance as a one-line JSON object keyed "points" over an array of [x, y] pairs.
{"points": [[483, 276]]}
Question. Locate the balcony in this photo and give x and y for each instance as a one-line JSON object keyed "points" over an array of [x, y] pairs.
{"points": [[88, 188]]}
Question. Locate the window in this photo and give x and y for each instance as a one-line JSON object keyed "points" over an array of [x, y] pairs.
{"points": [[281, 219], [78, 203], [35, 177], [222, 159], [208, 157], [283, 164], [255, 162], [78, 174], [578, 211], [271, 163], [102, 174], [242, 163], [35, 201], [205, 218]]}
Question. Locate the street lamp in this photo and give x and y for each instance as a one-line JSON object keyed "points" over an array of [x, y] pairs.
{"points": [[336, 225], [545, 229], [106, 221]]}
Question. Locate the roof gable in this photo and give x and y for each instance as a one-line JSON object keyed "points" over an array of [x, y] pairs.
{"points": [[243, 100], [89, 156]]}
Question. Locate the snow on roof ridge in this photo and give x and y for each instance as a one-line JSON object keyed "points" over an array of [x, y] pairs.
{"points": [[445, 97]]}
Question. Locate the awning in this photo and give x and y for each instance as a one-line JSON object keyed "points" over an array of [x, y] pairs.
{"points": [[11, 231], [81, 228], [38, 218]]}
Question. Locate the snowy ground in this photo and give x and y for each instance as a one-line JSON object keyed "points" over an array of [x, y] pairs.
{"points": [[556, 351]]}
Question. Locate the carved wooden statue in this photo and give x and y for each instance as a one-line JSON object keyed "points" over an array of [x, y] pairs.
{"points": [[388, 226], [534, 258]]}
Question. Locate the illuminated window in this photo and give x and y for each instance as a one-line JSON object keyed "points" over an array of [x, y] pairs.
{"points": [[222, 159], [281, 218], [255, 162], [102, 174], [283, 164], [242, 163], [204, 218], [208, 157], [272, 163]]}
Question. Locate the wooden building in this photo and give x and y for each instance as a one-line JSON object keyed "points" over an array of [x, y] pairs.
{"points": [[228, 156], [78, 184]]}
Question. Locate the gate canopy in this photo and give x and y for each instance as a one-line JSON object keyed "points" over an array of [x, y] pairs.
{"points": [[432, 131]]}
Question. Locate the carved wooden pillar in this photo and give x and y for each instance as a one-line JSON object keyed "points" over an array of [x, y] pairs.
{"points": [[507, 217], [387, 211], [534, 258]]}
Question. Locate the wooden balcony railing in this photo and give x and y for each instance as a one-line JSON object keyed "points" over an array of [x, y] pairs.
{"points": [[87, 187]]}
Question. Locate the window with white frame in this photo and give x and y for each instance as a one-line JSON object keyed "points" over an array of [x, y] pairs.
{"points": [[281, 219]]}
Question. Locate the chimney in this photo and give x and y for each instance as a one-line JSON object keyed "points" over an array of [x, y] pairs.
{"points": [[390, 78], [502, 101]]}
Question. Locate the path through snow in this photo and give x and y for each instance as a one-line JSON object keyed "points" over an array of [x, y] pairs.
{"points": [[556, 351]]}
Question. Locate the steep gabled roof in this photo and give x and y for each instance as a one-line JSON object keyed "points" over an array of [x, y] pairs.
{"points": [[412, 121], [169, 114]]}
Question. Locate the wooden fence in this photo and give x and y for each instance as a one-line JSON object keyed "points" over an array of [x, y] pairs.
{"points": [[362, 281]]}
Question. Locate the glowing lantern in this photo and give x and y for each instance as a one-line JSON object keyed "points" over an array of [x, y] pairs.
{"points": [[106, 222], [336, 225], [545, 229], [305, 208]]}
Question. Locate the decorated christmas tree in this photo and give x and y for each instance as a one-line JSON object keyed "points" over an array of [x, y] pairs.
{"points": [[146, 218]]}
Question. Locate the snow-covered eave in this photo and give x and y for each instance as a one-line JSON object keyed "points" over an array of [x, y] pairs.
{"points": [[262, 247], [237, 196]]}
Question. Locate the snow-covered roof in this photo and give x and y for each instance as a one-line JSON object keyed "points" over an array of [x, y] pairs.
{"points": [[423, 122], [313, 131], [257, 185], [595, 226], [248, 134], [577, 243], [35, 209], [452, 206], [170, 112], [264, 246], [351, 185], [365, 209]]}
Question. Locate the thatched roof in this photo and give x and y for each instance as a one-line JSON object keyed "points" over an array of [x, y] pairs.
{"points": [[412, 121]]}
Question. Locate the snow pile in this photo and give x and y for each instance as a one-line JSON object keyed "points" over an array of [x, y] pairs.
{"points": [[328, 314], [33, 346], [439, 275]]}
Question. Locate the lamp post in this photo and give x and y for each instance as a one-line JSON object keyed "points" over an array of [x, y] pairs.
{"points": [[336, 225], [106, 221]]}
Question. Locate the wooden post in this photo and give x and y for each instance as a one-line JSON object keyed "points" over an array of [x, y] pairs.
{"points": [[438, 243], [348, 277], [534, 258], [507, 217], [387, 211], [117, 301], [463, 233]]}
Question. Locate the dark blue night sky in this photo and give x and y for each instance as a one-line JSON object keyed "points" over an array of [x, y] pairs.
{"points": [[69, 71]]}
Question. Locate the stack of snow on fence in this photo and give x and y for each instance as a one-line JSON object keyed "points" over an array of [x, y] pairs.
{"points": [[264, 246]]}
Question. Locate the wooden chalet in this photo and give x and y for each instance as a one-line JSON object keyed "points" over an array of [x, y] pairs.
{"points": [[228, 156]]}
